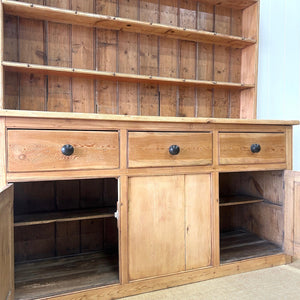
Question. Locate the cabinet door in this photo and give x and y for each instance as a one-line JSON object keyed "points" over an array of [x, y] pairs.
{"points": [[6, 243], [169, 224]]}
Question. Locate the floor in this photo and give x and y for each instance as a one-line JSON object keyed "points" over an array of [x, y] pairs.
{"points": [[278, 283]]}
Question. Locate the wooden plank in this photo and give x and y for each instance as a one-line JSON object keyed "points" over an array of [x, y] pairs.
{"points": [[91, 235], [11, 88], [123, 24], [168, 12], [31, 50], [166, 247], [91, 150], [149, 11], [205, 17], [148, 63], [59, 54], [106, 60], [222, 20], [34, 242], [187, 14], [55, 276], [187, 70], [45, 218], [7, 243], [128, 63], [129, 78], [198, 216], [238, 200]]}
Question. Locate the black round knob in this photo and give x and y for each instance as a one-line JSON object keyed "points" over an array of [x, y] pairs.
{"points": [[67, 150], [174, 149], [255, 148]]}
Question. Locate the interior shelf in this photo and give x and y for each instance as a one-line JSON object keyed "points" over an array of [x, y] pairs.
{"points": [[52, 276], [241, 244], [239, 200], [231, 3], [63, 216], [72, 72], [40, 12]]}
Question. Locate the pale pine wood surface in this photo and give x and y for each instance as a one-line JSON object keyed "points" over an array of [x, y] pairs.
{"points": [[7, 247], [235, 148], [28, 150], [198, 215], [151, 203], [146, 149]]}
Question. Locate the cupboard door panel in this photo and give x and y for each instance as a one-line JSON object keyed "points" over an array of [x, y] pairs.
{"points": [[156, 226], [198, 225], [6, 246]]}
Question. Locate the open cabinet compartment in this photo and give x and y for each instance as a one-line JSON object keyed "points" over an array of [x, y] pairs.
{"points": [[66, 236], [251, 214]]}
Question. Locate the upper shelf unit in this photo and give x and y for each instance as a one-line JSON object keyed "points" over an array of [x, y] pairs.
{"points": [[181, 58], [40, 12]]}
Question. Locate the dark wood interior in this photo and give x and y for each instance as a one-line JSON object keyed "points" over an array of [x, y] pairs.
{"points": [[65, 235], [257, 215]]}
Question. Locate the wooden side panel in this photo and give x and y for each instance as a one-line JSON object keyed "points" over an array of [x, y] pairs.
{"points": [[249, 61], [198, 215], [156, 252], [59, 54], [7, 246], [292, 213]]}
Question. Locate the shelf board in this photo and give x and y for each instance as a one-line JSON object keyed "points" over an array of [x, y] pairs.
{"points": [[52, 276], [72, 72], [238, 200], [41, 12], [63, 216]]}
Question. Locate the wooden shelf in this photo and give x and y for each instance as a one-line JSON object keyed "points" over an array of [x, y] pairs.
{"points": [[72, 72], [64, 216], [238, 200], [40, 12], [241, 244], [52, 276]]}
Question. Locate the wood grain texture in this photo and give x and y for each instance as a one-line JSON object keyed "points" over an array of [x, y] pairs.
{"points": [[7, 247], [198, 214], [92, 150], [153, 252], [147, 149], [3, 155], [235, 148]]}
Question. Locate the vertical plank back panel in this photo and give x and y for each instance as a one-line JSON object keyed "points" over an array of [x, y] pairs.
{"points": [[59, 54], [106, 60], [11, 81]]}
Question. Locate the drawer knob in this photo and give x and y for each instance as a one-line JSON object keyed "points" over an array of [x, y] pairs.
{"points": [[67, 150], [255, 148], [174, 149]]}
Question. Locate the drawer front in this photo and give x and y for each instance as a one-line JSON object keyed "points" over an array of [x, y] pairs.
{"points": [[235, 148], [40, 150], [151, 149]]}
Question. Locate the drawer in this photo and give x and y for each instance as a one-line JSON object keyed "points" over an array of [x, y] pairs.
{"points": [[152, 149], [235, 148], [41, 150]]}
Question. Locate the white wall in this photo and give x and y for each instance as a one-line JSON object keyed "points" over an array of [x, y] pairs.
{"points": [[279, 65]]}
